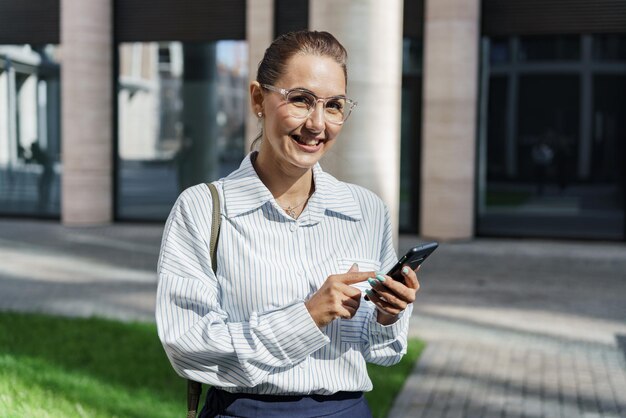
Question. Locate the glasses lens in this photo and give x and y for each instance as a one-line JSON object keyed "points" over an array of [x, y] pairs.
{"points": [[300, 103], [335, 110]]}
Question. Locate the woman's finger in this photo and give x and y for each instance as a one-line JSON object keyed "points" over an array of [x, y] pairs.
{"points": [[351, 302], [347, 312], [396, 289], [384, 306], [410, 277]]}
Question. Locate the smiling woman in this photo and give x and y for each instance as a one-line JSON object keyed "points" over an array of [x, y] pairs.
{"points": [[281, 324]]}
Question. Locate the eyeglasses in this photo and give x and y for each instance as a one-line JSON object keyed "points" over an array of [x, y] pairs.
{"points": [[301, 104]]}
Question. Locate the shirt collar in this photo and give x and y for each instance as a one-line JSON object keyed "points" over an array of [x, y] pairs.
{"points": [[245, 192], [331, 196]]}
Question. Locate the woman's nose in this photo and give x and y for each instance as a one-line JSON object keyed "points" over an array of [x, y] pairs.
{"points": [[315, 121]]}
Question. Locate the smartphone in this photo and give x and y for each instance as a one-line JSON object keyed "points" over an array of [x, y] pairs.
{"points": [[413, 258]]}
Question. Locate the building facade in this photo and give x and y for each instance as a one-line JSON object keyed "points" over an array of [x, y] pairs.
{"points": [[492, 118]]}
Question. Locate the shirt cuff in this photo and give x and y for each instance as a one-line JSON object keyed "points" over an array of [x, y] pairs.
{"points": [[380, 334], [300, 336]]}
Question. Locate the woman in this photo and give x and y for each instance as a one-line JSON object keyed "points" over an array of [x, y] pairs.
{"points": [[283, 328]]}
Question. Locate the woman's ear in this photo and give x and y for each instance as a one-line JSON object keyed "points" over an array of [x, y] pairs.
{"points": [[256, 98]]}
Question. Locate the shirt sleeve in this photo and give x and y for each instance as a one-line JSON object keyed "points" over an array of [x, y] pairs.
{"points": [[384, 344], [199, 340]]}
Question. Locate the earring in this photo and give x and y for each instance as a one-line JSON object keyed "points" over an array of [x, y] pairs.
{"points": [[260, 114]]}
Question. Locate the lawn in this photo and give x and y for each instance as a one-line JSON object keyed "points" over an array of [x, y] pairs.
{"points": [[62, 368]]}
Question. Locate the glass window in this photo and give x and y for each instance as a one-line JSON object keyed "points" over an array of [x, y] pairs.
{"points": [[30, 144], [500, 51], [549, 48], [410, 134], [497, 131], [181, 117], [609, 133], [548, 130], [609, 47], [555, 151]]}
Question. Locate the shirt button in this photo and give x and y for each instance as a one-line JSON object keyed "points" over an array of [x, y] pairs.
{"points": [[294, 226], [300, 273], [302, 365]]}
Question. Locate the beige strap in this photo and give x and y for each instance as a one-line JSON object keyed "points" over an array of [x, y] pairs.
{"points": [[215, 225]]}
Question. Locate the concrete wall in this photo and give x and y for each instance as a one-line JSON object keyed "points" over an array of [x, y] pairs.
{"points": [[87, 125], [259, 34], [451, 35]]}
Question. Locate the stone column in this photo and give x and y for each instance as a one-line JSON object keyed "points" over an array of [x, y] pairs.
{"points": [[367, 151], [451, 38], [259, 34], [86, 101]]}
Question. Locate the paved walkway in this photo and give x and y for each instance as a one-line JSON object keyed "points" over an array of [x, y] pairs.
{"points": [[520, 328], [515, 328]]}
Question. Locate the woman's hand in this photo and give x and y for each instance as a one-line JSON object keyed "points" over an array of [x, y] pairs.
{"points": [[336, 298], [391, 296]]}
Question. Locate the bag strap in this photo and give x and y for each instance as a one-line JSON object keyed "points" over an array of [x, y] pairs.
{"points": [[215, 226], [194, 389]]}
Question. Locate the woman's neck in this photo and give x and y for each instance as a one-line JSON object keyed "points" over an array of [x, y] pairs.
{"points": [[289, 185]]}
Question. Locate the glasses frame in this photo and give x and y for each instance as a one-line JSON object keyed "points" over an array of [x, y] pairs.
{"points": [[350, 104]]}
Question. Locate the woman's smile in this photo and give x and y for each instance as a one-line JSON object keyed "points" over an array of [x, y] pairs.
{"points": [[308, 143]]}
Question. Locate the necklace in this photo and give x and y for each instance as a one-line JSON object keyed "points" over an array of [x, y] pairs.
{"points": [[290, 210]]}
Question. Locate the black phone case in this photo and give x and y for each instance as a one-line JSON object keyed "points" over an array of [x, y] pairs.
{"points": [[413, 258]]}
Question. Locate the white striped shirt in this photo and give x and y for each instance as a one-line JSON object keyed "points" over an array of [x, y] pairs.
{"points": [[247, 329]]}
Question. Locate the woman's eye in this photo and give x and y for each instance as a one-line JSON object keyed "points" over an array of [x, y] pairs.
{"points": [[301, 100], [334, 105]]}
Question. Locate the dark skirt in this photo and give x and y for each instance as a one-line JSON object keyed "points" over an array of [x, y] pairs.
{"points": [[222, 404]]}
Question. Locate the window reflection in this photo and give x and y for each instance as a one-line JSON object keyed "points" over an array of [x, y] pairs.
{"points": [[549, 48], [410, 134], [555, 134], [499, 51], [29, 130], [182, 109], [609, 47]]}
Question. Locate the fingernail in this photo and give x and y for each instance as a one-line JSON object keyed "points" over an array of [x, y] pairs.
{"points": [[369, 292], [405, 270], [380, 278], [372, 282]]}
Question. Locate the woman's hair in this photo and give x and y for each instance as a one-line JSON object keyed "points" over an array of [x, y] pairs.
{"points": [[274, 62]]}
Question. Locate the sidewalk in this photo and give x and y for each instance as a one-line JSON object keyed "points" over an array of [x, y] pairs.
{"points": [[515, 328], [520, 328]]}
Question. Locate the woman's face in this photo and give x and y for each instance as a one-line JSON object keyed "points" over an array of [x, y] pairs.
{"points": [[300, 143]]}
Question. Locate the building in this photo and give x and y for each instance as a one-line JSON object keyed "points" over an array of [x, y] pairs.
{"points": [[492, 118]]}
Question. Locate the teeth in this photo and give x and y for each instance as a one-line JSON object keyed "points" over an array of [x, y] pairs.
{"points": [[310, 142]]}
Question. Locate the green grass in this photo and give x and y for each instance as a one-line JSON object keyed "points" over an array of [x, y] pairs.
{"points": [[388, 381], [60, 367]]}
